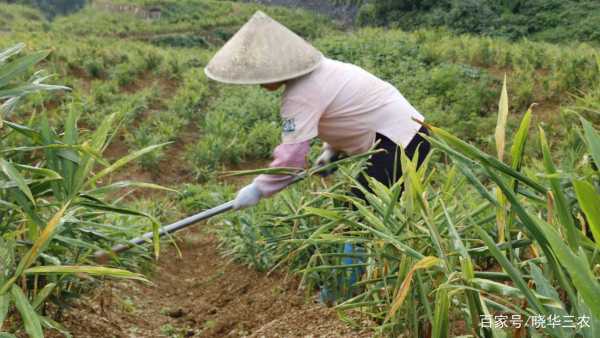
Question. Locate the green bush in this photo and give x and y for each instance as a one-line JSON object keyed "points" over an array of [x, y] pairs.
{"points": [[19, 18], [94, 68], [124, 74], [152, 60], [53, 207], [231, 125], [187, 41], [367, 15], [553, 21]]}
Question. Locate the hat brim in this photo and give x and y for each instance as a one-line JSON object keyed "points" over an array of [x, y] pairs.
{"points": [[217, 78]]}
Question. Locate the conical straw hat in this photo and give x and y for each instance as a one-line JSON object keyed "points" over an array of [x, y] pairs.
{"points": [[263, 51]]}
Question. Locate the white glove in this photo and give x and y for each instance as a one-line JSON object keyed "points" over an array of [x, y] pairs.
{"points": [[326, 156], [248, 196]]}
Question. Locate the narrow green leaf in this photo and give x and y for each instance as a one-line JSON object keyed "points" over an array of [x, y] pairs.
{"points": [[473, 153], [47, 173], [518, 147], [28, 314], [545, 288], [515, 274], [12, 173], [577, 267], [19, 66], [505, 291], [564, 213], [36, 248], [91, 270], [500, 133], [48, 139], [127, 184], [96, 144], [4, 306], [31, 134], [266, 171], [31, 87], [532, 224], [121, 162], [6, 335], [593, 331], [77, 243], [442, 313], [476, 183], [589, 201], [69, 165], [592, 139], [14, 50], [329, 214], [52, 324], [111, 208], [42, 295]]}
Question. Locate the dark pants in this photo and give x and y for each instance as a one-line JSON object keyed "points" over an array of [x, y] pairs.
{"points": [[385, 166]]}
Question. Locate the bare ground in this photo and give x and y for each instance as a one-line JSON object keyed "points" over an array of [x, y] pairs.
{"points": [[201, 294]]}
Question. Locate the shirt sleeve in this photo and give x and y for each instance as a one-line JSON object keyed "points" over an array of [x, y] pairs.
{"points": [[291, 155], [300, 119]]}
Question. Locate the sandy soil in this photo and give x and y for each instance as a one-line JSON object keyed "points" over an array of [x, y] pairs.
{"points": [[202, 295]]}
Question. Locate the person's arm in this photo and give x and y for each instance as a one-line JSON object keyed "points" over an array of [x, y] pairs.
{"points": [[292, 155], [300, 125]]}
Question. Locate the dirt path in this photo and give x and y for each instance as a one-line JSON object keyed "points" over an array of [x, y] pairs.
{"points": [[202, 295]]}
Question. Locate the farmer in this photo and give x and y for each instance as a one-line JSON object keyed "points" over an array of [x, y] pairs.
{"points": [[345, 106]]}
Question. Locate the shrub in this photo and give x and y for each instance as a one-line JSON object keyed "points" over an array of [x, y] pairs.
{"points": [[94, 67], [124, 74], [253, 112], [186, 41], [51, 199], [152, 60], [548, 20], [367, 15]]}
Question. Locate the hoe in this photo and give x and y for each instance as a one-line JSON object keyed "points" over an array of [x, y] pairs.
{"points": [[103, 256], [323, 170]]}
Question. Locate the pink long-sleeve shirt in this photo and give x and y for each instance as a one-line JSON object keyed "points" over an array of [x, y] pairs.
{"points": [[343, 105]]}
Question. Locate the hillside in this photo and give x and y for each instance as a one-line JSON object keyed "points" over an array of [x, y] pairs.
{"points": [[540, 20], [543, 20], [148, 68], [141, 113]]}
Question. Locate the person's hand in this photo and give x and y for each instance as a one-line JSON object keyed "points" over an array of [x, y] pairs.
{"points": [[248, 196], [328, 155]]}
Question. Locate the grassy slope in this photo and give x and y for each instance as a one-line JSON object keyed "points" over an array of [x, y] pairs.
{"points": [[542, 20], [121, 63], [151, 73]]}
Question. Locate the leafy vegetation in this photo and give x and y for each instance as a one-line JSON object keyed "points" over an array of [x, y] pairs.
{"points": [[521, 240], [52, 8], [552, 21], [53, 213]]}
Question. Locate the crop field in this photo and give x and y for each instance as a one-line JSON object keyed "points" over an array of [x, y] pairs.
{"points": [[109, 129]]}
